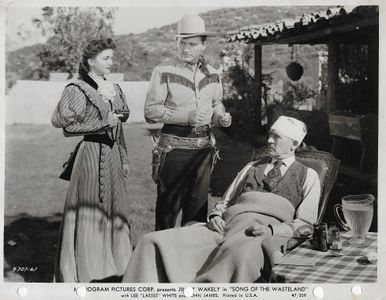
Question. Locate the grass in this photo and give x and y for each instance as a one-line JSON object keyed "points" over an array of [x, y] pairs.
{"points": [[35, 196], [34, 158]]}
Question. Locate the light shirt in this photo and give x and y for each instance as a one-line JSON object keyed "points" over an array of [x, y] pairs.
{"points": [[307, 211], [177, 88]]}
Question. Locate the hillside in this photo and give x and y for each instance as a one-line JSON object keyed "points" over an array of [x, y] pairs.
{"points": [[137, 54]]}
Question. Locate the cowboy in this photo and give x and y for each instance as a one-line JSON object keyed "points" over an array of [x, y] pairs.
{"points": [[185, 94], [270, 201]]}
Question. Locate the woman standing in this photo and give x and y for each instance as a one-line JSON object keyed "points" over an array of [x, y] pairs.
{"points": [[94, 243]]}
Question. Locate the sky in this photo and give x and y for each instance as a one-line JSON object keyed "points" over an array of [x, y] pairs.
{"points": [[127, 20]]}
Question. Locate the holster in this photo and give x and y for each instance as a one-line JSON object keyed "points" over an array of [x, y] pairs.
{"points": [[166, 143], [158, 158]]}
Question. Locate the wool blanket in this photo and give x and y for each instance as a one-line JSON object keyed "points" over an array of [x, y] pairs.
{"points": [[197, 254]]}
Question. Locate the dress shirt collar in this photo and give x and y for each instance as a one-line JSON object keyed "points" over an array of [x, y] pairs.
{"points": [[287, 161]]}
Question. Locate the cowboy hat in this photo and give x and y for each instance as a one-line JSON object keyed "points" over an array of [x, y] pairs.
{"points": [[191, 26]]}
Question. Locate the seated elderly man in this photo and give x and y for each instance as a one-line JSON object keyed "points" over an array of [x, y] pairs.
{"points": [[271, 198]]}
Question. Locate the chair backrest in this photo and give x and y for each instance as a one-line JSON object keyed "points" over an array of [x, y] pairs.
{"points": [[324, 163]]}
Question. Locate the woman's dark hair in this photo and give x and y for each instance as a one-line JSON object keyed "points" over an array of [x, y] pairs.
{"points": [[92, 49]]}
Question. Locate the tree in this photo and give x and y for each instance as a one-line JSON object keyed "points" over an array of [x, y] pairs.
{"points": [[241, 93], [68, 29]]}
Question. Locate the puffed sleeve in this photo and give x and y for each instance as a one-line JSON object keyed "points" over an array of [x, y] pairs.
{"points": [[70, 114]]}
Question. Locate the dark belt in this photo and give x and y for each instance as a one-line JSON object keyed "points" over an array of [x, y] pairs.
{"points": [[100, 139], [186, 131]]}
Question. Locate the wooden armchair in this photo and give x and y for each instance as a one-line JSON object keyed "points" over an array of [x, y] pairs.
{"points": [[324, 163]]}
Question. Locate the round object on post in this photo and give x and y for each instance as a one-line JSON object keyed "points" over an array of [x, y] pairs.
{"points": [[294, 71]]}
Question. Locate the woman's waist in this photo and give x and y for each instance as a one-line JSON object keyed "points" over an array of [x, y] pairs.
{"points": [[99, 138]]}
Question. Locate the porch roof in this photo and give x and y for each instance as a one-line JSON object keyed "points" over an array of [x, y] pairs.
{"points": [[351, 24]]}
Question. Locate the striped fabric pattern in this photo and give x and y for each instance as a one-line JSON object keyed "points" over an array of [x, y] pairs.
{"points": [[95, 233]]}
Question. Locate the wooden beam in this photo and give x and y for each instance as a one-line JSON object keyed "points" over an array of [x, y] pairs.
{"points": [[349, 38], [291, 37]]}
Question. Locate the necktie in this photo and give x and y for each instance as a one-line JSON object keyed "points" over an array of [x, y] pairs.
{"points": [[273, 176]]}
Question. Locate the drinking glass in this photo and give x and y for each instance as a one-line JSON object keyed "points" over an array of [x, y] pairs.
{"points": [[358, 213]]}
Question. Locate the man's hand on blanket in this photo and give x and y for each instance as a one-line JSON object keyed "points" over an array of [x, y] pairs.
{"points": [[217, 224], [258, 229]]}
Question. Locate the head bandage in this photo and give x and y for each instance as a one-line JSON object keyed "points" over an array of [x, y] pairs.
{"points": [[290, 127]]}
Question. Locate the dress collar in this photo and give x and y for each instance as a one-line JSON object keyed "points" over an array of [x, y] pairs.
{"points": [[96, 78], [104, 88], [86, 78]]}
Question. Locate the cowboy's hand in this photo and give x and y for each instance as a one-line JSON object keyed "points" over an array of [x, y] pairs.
{"points": [[258, 230], [225, 120], [126, 170], [217, 224]]}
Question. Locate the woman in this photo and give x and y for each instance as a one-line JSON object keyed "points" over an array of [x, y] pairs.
{"points": [[94, 243]]}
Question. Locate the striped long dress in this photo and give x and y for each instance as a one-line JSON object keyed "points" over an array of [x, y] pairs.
{"points": [[94, 241]]}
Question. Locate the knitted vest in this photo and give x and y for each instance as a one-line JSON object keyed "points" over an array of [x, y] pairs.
{"points": [[289, 187]]}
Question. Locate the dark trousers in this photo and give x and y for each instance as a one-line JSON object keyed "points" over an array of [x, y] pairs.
{"points": [[183, 184]]}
